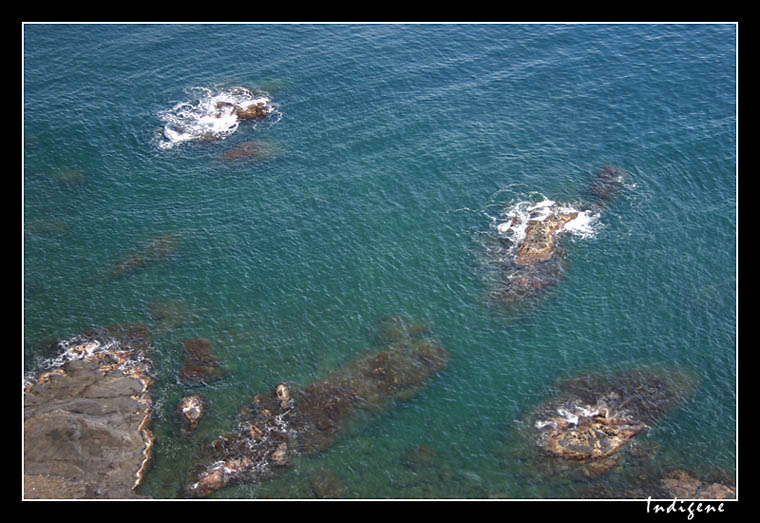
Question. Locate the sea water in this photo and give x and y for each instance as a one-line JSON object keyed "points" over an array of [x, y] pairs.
{"points": [[392, 155]]}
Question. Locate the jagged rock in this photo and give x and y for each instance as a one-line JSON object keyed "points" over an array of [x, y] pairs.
{"points": [[529, 253], [85, 422], [540, 238], [591, 433], [199, 364], [592, 420], [191, 409], [252, 111], [309, 420]]}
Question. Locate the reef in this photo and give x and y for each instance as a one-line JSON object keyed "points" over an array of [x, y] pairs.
{"points": [[86, 421], [291, 420], [529, 251], [200, 365], [585, 429]]}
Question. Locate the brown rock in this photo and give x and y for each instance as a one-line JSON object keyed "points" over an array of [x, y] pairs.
{"points": [[191, 409], [85, 423], [311, 419], [251, 112], [540, 239]]}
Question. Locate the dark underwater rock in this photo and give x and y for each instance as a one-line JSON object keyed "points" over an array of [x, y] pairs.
{"points": [[249, 149], [399, 328], [292, 420], [85, 422], [326, 484], [421, 456], [199, 364], [158, 249], [608, 181]]}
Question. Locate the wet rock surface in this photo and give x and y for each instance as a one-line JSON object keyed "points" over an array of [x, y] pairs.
{"points": [[86, 429], [191, 409], [292, 420], [529, 251], [589, 427]]}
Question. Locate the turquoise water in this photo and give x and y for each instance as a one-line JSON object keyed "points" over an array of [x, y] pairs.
{"points": [[393, 152]]}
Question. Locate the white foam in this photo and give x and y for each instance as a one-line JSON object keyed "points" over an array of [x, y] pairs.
{"points": [[513, 221], [209, 115]]}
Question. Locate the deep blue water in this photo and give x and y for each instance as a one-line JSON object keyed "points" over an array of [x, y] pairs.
{"points": [[394, 150]]}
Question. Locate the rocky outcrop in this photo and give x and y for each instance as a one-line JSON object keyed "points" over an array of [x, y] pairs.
{"points": [[541, 237], [248, 111], [293, 420], [591, 422], [191, 409], [591, 432], [527, 248], [86, 429]]}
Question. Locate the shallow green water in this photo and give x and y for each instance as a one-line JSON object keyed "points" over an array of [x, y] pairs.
{"points": [[395, 150]]}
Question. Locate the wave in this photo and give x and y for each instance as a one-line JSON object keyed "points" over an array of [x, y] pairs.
{"points": [[214, 114]]}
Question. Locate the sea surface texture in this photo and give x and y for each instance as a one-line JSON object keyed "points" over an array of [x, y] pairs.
{"points": [[393, 158]]}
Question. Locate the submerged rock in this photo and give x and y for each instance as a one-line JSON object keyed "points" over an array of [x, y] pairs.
{"points": [[680, 484], [399, 328], [259, 149], [156, 250], [200, 365], [326, 484], [421, 456], [86, 422], [607, 183], [292, 420]]}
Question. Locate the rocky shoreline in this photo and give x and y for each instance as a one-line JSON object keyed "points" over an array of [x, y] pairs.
{"points": [[86, 423]]}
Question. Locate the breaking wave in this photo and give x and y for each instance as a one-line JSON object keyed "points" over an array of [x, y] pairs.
{"points": [[211, 114]]}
